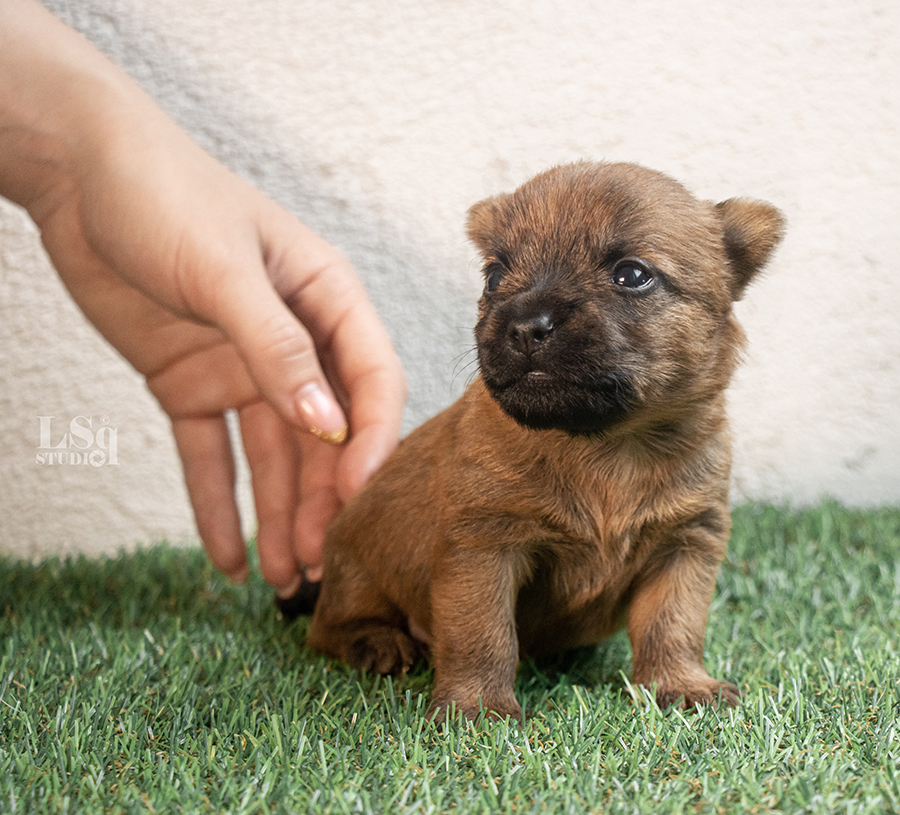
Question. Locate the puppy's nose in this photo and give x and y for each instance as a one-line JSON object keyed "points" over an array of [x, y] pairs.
{"points": [[528, 334]]}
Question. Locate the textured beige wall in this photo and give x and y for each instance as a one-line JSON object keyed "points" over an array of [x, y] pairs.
{"points": [[378, 123]]}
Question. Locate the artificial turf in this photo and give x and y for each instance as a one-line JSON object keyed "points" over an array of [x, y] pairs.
{"points": [[146, 683]]}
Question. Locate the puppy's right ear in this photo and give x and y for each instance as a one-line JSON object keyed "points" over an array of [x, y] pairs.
{"points": [[483, 221]]}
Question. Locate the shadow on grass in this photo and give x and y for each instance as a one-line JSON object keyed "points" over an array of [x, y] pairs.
{"points": [[598, 668]]}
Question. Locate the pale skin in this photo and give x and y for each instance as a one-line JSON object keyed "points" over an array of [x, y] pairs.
{"points": [[216, 295]]}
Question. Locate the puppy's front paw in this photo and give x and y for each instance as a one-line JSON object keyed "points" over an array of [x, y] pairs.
{"points": [[497, 710], [384, 650], [711, 692]]}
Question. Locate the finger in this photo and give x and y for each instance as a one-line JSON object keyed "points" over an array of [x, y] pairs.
{"points": [[206, 456], [280, 354], [320, 287], [273, 459], [376, 392], [377, 402], [360, 361], [318, 502]]}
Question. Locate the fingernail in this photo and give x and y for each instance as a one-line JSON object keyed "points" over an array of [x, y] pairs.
{"points": [[314, 573], [324, 419], [291, 589]]}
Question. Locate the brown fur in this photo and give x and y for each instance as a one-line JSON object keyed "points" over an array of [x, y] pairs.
{"points": [[604, 502]]}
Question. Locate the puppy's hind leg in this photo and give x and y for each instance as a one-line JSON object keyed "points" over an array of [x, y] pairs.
{"points": [[356, 623]]}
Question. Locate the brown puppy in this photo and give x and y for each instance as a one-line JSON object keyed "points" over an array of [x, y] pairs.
{"points": [[581, 482]]}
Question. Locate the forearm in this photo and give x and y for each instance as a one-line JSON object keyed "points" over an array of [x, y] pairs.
{"points": [[57, 96]]}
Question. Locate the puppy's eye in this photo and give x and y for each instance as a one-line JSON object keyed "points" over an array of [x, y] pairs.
{"points": [[493, 274], [633, 274]]}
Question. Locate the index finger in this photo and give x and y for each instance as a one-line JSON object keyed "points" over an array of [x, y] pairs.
{"points": [[320, 286]]}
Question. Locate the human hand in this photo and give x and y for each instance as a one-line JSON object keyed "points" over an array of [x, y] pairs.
{"points": [[217, 296]]}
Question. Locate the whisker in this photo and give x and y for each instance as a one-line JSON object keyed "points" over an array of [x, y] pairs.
{"points": [[461, 364]]}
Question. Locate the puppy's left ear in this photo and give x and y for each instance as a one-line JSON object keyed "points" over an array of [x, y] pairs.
{"points": [[483, 221], [752, 230]]}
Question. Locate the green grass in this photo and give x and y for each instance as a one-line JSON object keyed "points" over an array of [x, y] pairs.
{"points": [[145, 683]]}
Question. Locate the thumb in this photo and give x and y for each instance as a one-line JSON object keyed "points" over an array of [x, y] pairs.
{"points": [[281, 356]]}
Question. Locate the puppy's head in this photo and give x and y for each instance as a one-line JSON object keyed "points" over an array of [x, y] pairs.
{"points": [[608, 292]]}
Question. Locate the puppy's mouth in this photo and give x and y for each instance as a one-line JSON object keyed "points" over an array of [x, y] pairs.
{"points": [[549, 364], [544, 400]]}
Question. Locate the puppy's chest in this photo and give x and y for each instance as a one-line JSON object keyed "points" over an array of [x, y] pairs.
{"points": [[579, 588], [602, 517], [601, 535]]}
